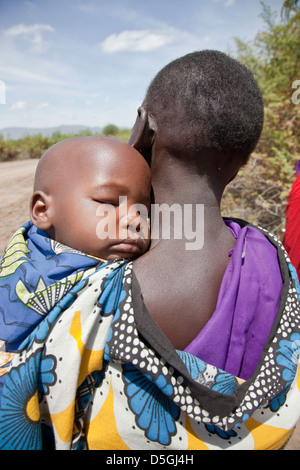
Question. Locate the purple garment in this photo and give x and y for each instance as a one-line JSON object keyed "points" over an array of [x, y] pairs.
{"points": [[235, 335]]}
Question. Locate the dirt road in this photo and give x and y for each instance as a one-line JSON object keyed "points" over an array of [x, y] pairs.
{"points": [[16, 182]]}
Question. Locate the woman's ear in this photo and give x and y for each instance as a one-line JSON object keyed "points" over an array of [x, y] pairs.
{"points": [[143, 133], [40, 210]]}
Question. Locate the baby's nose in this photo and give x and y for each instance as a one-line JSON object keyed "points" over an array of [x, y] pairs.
{"points": [[131, 219]]}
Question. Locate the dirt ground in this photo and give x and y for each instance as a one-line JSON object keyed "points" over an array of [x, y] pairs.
{"points": [[16, 182]]}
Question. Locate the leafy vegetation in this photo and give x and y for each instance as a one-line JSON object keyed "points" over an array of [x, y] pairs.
{"points": [[259, 193], [33, 146]]}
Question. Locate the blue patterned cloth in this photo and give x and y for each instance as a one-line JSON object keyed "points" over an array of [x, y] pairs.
{"points": [[35, 273], [84, 366]]}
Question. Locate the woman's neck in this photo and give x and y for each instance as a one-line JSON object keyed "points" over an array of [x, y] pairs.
{"points": [[175, 182], [186, 204]]}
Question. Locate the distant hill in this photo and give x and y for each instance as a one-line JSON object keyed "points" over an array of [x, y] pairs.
{"points": [[15, 133]]}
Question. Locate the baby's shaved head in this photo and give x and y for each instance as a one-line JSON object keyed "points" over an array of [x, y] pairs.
{"points": [[82, 182], [73, 157]]}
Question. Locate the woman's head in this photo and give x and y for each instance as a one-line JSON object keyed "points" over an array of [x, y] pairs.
{"points": [[205, 104]]}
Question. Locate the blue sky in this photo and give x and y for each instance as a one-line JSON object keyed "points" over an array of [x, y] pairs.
{"points": [[89, 62]]}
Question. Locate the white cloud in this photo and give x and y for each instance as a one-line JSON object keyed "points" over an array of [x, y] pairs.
{"points": [[229, 3], [22, 75], [226, 3], [42, 105], [22, 29], [136, 41], [33, 34], [18, 105]]}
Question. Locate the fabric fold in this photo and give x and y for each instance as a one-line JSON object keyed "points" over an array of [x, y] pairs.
{"points": [[246, 308], [87, 376]]}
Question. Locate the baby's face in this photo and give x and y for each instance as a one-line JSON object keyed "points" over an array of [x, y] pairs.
{"points": [[103, 209]]}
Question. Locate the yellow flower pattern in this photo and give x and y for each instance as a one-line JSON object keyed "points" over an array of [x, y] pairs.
{"points": [[14, 255]]}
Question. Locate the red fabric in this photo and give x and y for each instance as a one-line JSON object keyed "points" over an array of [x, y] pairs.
{"points": [[291, 238]]}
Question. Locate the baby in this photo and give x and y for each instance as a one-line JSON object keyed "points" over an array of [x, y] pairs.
{"points": [[93, 194], [91, 197]]}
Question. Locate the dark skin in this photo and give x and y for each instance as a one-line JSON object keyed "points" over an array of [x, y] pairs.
{"points": [[180, 287], [78, 184]]}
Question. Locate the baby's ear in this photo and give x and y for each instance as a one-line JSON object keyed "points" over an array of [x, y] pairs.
{"points": [[40, 210]]}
